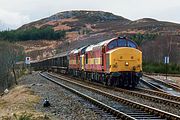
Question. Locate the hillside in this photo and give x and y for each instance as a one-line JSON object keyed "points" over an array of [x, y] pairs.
{"points": [[88, 27]]}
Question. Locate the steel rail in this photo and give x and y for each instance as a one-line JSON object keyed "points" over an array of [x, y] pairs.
{"points": [[145, 108], [172, 75], [177, 88], [162, 97], [99, 104], [151, 85], [161, 94]]}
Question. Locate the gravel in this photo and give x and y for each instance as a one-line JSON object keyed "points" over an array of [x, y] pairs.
{"points": [[67, 106], [161, 106], [64, 104]]}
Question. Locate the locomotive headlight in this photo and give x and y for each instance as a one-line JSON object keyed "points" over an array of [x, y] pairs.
{"points": [[126, 63]]}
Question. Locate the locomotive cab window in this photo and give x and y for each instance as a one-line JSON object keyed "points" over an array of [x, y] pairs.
{"points": [[122, 43], [112, 44], [131, 44], [126, 43]]}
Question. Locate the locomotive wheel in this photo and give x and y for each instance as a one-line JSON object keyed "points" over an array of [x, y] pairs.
{"points": [[109, 82], [116, 82], [104, 82]]}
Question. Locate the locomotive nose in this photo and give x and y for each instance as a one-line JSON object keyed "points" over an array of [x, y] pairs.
{"points": [[125, 59]]}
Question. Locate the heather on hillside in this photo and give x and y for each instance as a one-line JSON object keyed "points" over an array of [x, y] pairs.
{"points": [[32, 34]]}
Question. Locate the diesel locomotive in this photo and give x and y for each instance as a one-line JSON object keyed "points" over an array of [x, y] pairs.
{"points": [[113, 62]]}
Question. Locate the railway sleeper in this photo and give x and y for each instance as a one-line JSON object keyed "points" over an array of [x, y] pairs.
{"points": [[137, 105]]}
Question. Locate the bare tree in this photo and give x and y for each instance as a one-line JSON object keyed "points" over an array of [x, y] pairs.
{"points": [[8, 57]]}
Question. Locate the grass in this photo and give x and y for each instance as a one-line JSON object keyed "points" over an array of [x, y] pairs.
{"points": [[19, 103], [29, 116], [23, 116], [161, 68]]}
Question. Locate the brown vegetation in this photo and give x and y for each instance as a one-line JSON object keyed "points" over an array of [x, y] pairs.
{"points": [[19, 101], [62, 27], [39, 49]]}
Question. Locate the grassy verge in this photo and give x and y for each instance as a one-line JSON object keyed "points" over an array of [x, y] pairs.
{"points": [[161, 68], [19, 104], [22, 72]]}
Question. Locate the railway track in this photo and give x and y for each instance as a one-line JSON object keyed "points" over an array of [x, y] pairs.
{"points": [[173, 75], [151, 86], [152, 95], [137, 110], [164, 98], [159, 94], [162, 86], [99, 104], [175, 87], [154, 90]]}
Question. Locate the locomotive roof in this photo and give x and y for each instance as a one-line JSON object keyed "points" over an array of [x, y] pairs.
{"points": [[94, 46], [72, 51], [99, 44], [104, 42], [81, 48], [75, 51], [89, 48]]}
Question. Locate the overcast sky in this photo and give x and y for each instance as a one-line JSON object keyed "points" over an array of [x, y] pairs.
{"points": [[14, 13]]}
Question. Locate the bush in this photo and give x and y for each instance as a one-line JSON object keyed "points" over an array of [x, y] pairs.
{"points": [[139, 38], [161, 68]]}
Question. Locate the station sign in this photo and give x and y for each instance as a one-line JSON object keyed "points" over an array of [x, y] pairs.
{"points": [[27, 60], [166, 60]]}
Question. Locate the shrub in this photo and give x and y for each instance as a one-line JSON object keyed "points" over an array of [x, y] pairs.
{"points": [[32, 34], [161, 68]]}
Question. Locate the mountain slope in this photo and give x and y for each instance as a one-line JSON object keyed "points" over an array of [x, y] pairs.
{"points": [[73, 18], [80, 24], [99, 20], [89, 27]]}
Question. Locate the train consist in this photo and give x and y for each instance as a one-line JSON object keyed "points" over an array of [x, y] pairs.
{"points": [[114, 62]]}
